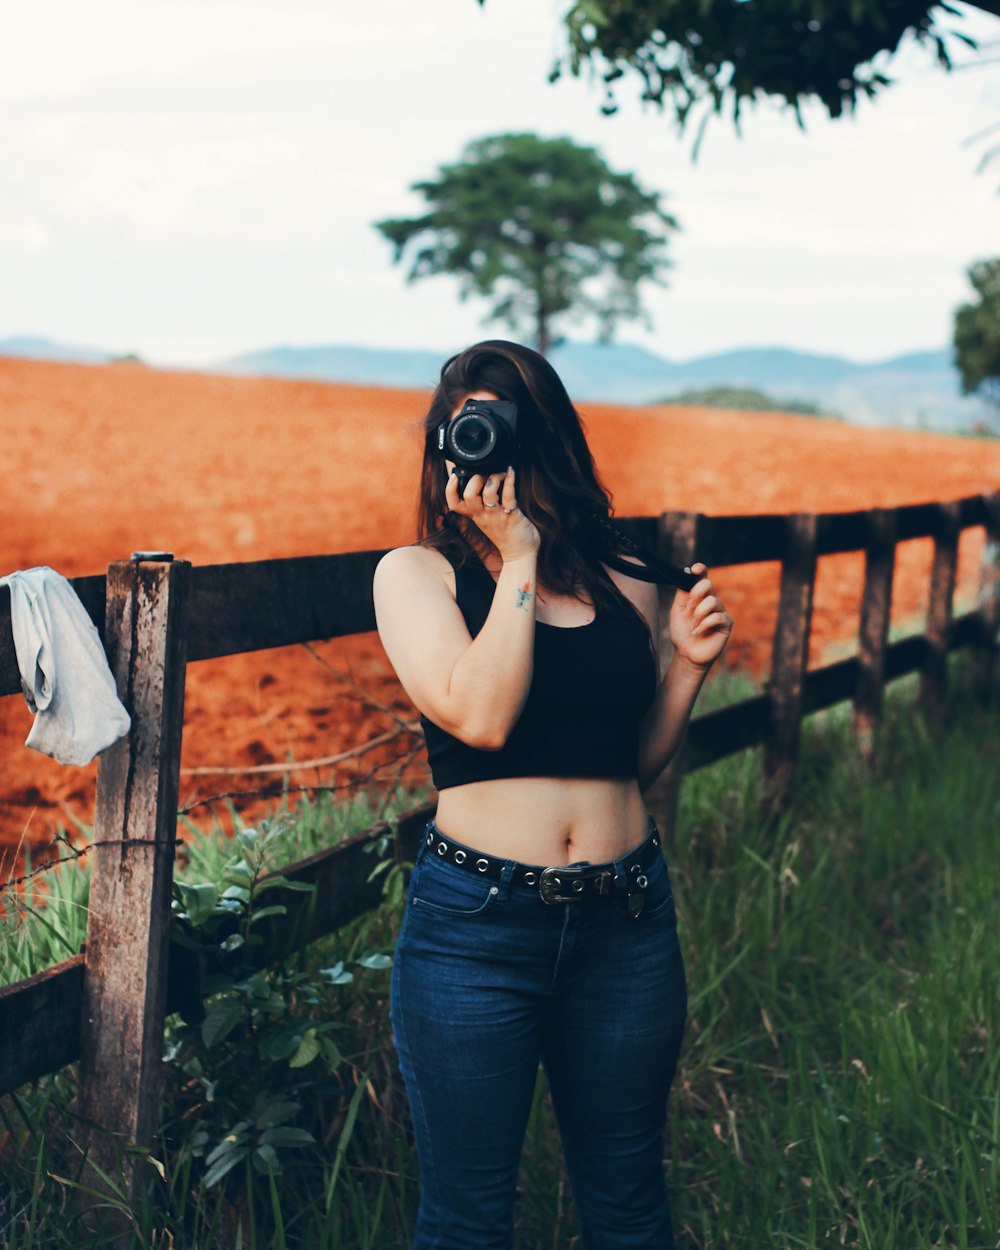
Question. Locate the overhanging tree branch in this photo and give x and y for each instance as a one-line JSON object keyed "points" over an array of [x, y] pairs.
{"points": [[694, 57]]}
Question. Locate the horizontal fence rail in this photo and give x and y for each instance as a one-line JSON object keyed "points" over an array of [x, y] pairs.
{"points": [[259, 604], [154, 618]]}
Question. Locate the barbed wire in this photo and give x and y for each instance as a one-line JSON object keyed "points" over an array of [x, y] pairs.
{"points": [[398, 763], [277, 790]]}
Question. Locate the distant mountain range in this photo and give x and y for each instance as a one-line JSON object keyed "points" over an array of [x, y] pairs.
{"points": [[919, 390]]}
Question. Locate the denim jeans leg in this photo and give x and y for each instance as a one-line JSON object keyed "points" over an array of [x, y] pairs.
{"points": [[611, 1042], [465, 1019]]}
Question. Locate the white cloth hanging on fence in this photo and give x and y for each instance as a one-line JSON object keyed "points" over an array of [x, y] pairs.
{"points": [[64, 672]]}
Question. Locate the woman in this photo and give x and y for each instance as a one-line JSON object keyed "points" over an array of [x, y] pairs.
{"points": [[540, 923]]}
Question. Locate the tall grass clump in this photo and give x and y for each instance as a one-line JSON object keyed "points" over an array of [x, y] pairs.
{"points": [[838, 1084]]}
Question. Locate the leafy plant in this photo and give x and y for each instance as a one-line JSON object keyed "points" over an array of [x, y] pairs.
{"points": [[255, 1043]]}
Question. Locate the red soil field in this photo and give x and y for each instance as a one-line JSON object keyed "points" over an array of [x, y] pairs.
{"points": [[103, 461]]}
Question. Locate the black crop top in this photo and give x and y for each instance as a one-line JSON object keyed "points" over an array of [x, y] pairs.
{"points": [[591, 685]]}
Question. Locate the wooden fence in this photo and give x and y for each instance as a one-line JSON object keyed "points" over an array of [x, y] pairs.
{"points": [[106, 1006]]}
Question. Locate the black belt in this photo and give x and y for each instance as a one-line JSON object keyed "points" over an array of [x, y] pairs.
{"points": [[567, 883]]}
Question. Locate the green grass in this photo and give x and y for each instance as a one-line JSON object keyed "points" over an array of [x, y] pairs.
{"points": [[839, 1081]]}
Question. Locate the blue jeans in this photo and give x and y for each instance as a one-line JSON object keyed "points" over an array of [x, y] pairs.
{"points": [[487, 980]]}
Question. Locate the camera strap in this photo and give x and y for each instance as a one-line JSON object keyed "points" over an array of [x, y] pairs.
{"points": [[652, 569]]}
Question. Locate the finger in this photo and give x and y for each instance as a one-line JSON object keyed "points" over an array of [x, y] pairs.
{"points": [[707, 605], [473, 488], [700, 589], [710, 623], [451, 492], [492, 487], [510, 490]]}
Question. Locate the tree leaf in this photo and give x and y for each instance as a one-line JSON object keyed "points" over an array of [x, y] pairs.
{"points": [[271, 883], [376, 960], [276, 1111], [285, 1135], [281, 1043], [235, 1138], [225, 1164], [336, 975], [221, 1018], [265, 1159], [307, 1051], [199, 900], [238, 892], [276, 909]]}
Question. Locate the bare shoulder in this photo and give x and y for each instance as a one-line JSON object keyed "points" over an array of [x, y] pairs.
{"points": [[406, 565]]}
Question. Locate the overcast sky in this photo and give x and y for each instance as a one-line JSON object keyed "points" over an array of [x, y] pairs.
{"points": [[194, 178]]}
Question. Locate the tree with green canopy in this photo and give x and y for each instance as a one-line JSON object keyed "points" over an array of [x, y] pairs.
{"points": [[688, 53], [544, 229], [977, 333]]}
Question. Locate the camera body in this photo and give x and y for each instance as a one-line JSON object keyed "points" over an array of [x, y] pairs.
{"points": [[482, 438]]}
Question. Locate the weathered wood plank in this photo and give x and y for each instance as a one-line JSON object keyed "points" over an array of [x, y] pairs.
{"points": [[10, 676], [714, 735], [985, 652], [942, 591], [876, 603], [40, 1023], [273, 603], [790, 654], [724, 541], [121, 1031]]}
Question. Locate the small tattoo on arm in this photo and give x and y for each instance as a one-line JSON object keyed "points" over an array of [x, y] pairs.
{"points": [[523, 595]]}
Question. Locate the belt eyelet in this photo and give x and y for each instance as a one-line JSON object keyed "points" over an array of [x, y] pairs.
{"points": [[530, 878], [442, 848], [482, 865], [459, 857], [642, 881]]}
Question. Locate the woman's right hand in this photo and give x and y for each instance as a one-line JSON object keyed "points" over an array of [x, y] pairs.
{"points": [[500, 519]]}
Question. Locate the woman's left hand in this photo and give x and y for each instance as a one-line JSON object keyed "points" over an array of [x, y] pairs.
{"points": [[699, 624]]}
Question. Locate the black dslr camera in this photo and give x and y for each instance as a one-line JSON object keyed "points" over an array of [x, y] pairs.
{"points": [[481, 439]]}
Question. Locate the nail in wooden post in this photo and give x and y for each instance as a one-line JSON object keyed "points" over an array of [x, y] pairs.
{"points": [[942, 591], [876, 604], [677, 542], [790, 656], [132, 860], [985, 652]]}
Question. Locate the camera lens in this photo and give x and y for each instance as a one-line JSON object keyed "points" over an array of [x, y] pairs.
{"points": [[472, 437]]}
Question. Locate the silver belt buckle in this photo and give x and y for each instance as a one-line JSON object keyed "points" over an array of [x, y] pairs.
{"points": [[552, 881]]}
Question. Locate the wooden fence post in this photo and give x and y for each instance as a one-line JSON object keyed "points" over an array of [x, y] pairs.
{"points": [[790, 656], [942, 590], [876, 603], [677, 542], [985, 652], [135, 823]]}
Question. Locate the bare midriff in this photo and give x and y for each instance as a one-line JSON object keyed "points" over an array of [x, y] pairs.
{"points": [[546, 820]]}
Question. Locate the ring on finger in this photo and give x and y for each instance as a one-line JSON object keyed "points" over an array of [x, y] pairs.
{"points": [[508, 511], [491, 505]]}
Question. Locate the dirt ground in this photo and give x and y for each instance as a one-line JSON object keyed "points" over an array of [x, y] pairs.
{"points": [[103, 461]]}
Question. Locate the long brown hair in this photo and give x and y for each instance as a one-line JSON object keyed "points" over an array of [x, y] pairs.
{"points": [[558, 487]]}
